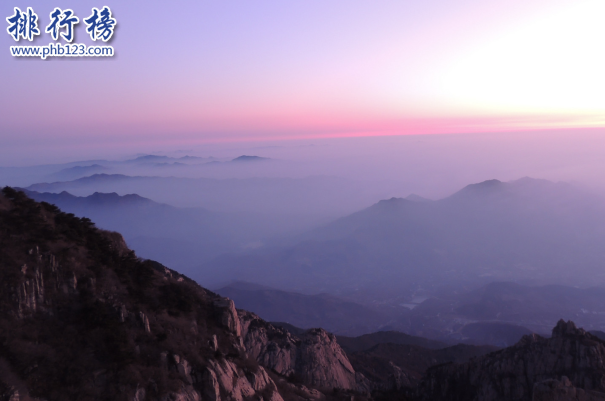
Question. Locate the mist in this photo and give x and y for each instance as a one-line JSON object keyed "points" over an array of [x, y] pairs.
{"points": [[372, 220], [433, 166]]}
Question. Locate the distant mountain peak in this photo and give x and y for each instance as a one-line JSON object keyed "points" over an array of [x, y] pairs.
{"points": [[103, 176], [150, 158], [85, 168], [518, 186], [487, 184], [105, 194], [480, 188], [195, 158], [393, 201], [390, 204], [417, 198], [115, 195], [245, 158]]}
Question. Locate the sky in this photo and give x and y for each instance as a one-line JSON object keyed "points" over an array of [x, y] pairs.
{"points": [[200, 72]]}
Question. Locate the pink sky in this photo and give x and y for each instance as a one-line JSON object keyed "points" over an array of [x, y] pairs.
{"points": [[206, 72]]}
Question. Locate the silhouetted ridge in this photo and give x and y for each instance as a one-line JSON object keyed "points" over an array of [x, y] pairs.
{"points": [[245, 158], [114, 196], [390, 204], [568, 328], [95, 178], [151, 158], [485, 187], [97, 198]]}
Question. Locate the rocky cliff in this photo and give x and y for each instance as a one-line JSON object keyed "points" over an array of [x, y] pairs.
{"points": [[82, 318], [315, 357], [568, 366]]}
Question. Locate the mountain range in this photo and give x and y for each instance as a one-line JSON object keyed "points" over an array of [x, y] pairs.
{"points": [[82, 317], [483, 266], [528, 231], [145, 164], [313, 197]]}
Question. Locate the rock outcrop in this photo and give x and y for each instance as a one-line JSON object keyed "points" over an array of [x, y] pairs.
{"points": [[314, 358], [228, 315], [323, 363], [571, 364], [273, 347]]}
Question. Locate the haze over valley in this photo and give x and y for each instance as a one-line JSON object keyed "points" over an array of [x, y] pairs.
{"points": [[357, 256]]}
